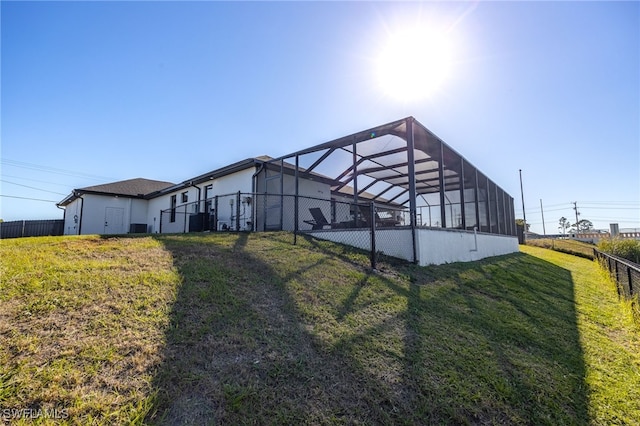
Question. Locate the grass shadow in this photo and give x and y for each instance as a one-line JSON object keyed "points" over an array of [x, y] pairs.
{"points": [[498, 342], [268, 333]]}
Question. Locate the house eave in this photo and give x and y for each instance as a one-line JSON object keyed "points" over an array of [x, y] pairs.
{"points": [[206, 177], [77, 193]]}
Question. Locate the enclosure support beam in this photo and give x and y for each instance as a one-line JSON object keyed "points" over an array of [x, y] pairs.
{"points": [[355, 172], [412, 185], [489, 201], [295, 207], [281, 193], [318, 161], [462, 200], [443, 210], [475, 197]]}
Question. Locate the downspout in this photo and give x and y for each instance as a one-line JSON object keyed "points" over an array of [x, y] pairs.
{"points": [[64, 216], [199, 194], [255, 175], [201, 219]]}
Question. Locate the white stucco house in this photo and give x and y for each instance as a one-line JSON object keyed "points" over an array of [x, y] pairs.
{"points": [[112, 208], [398, 181], [223, 199]]}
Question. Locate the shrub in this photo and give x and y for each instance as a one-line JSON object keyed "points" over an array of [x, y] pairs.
{"points": [[625, 248]]}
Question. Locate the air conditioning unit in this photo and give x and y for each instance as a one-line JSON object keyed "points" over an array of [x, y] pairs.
{"points": [[137, 228]]}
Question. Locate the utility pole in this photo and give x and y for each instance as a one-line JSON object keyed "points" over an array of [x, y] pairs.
{"points": [[524, 215], [575, 207], [544, 231]]}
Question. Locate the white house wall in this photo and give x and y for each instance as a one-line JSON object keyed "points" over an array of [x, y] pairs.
{"points": [[72, 214], [239, 181], [230, 184], [96, 210], [138, 211], [154, 206], [226, 188]]}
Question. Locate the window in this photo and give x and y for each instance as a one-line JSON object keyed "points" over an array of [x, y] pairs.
{"points": [[173, 208], [185, 197]]}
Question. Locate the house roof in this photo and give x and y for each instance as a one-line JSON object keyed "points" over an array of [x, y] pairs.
{"points": [[252, 162], [214, 174], [135, 188]]}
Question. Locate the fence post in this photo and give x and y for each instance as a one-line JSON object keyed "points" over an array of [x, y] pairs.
{"points": [[295, 202], [215, 213], [24, 222], [264, 210], [630, 282], [372, 208], [238, 211], [295, 215], [618, 285], [184, 228]]}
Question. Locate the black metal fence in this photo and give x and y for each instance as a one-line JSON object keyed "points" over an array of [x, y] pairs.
{"points": [[31, 228], [624, 272], [361, 225], [374, 227]]}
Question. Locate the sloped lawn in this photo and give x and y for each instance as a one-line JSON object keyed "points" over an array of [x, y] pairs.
{"points": [[249, 329]]}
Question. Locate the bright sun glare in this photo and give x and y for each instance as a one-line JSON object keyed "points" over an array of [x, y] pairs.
{"points": [[414, 63]]}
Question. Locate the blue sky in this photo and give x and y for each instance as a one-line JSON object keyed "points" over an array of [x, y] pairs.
{"points": [[94, 92]]}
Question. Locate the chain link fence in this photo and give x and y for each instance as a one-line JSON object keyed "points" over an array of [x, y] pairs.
{"points": [[229, 212], [375, 228], [625, 273], [371, 227]]}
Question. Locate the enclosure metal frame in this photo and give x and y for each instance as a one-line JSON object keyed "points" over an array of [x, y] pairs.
{"points": [[432, 167]]}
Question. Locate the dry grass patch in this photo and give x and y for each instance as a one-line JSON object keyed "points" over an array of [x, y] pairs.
{"points": [[82, 325]]}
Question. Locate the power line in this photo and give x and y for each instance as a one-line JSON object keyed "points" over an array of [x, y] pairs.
{"points": [[27, 198], [584, 209], [611, 208], [47, 169], [36, 180], [610, 202], [31, 187]]}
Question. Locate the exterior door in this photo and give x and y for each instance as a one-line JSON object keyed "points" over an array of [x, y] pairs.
{"points": [[114, 220]]}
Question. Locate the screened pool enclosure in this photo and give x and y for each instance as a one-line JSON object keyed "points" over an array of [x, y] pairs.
{"points": [[413, 177]]}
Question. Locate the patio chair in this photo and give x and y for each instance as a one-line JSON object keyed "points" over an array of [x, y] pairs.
{"points": [[366, 215], [319, 221]]}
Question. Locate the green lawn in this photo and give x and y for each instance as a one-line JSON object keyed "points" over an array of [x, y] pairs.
{"points": [[249, 329], [575, 247]]}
